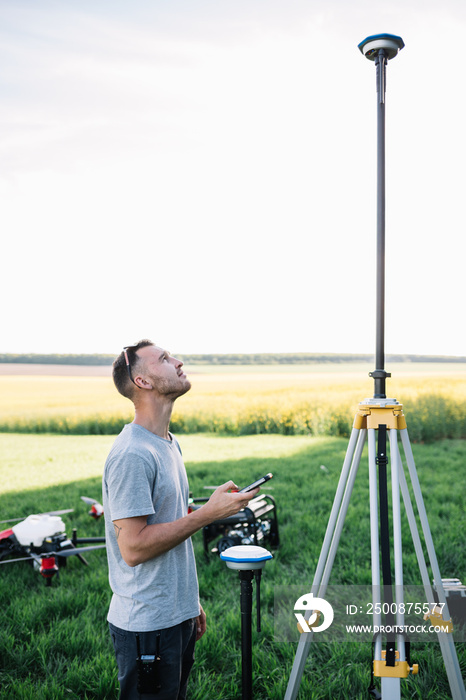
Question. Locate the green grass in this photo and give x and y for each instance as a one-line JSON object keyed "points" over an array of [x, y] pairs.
{"points": [[54, 642]]}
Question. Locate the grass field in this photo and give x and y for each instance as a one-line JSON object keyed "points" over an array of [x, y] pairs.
{"points": [[242, 400], [54, 642]]}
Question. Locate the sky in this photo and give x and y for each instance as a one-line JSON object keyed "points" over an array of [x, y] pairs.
{"points": [[203, 173]]}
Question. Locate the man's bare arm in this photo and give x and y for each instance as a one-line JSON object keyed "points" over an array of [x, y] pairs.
{"points": [[139, 542]]}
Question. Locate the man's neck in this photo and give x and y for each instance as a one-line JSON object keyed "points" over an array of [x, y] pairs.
{"points": [[155, 417]]}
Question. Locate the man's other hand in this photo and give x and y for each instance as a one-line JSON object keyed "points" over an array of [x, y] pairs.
{"points": [[200, 625]]}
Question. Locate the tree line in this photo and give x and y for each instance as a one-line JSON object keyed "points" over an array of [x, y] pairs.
{"points": [[225, 359]]}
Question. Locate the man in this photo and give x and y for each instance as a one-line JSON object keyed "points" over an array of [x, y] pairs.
{"points": [[154, 615]]}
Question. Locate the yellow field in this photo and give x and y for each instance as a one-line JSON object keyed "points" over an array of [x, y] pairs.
{"points": [[224, 397]]}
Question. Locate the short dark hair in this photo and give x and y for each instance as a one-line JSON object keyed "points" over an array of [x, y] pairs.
{"points": [[120, 371]]}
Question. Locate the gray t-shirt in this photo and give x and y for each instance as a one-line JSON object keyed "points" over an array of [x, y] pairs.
{"points": [[145, 475]]}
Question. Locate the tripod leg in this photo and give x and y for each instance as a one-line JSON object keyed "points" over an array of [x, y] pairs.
{"points": [[446, 640], [423, 516], [390, 686], [446, 643], [415, 537], [356, 436], [395, 461], [342, 514], [375, 555], [330, 544]]}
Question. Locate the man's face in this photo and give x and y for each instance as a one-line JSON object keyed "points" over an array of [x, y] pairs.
{"points": [[163, 371]]}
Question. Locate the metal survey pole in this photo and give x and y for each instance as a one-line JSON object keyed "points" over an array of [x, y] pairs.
{"points": [[380, 48], [248, 560], [379, 379]]}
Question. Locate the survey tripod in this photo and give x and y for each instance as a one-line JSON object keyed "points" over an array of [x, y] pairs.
{"points": [[380, 420]]}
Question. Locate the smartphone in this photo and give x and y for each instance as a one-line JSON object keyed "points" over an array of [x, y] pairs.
{"points": [[257, 483]]}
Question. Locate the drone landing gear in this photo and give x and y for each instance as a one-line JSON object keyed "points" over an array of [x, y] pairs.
{"points": [[48, 569]]}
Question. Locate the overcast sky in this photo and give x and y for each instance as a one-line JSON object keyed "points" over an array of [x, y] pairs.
{"points": [[203, 173]]}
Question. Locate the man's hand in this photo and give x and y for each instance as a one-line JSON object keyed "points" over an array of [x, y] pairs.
{"points": [[200, 625], [222, 504]]}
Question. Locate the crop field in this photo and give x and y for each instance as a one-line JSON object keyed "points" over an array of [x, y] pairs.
{"points": [[56, 426], [54, 642], [241, 400]]}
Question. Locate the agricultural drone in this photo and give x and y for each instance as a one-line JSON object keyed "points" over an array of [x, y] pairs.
{"points": [[42, 540]]}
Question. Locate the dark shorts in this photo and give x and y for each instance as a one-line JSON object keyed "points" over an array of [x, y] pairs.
{"points": [[174, 646]]}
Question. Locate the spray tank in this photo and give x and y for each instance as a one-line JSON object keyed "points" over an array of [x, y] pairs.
{"points": [[35, 528]]}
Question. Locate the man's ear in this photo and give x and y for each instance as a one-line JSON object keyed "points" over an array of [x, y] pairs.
{"points": [[142, 383]]}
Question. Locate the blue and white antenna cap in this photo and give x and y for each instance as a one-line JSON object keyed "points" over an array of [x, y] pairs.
{"points": [[244, 557], [390, 43]]}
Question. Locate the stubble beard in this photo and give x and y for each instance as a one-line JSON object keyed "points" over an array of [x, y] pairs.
{"points": [[172, 389]]}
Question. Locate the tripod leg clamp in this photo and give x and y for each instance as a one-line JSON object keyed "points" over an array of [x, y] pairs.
{"points": [[401, 669]]}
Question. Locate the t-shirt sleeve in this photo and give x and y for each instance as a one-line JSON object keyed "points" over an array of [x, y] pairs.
{"points": [[130, 483]]}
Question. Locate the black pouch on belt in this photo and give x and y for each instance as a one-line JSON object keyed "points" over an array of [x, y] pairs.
{"points": [[148, 670]]}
